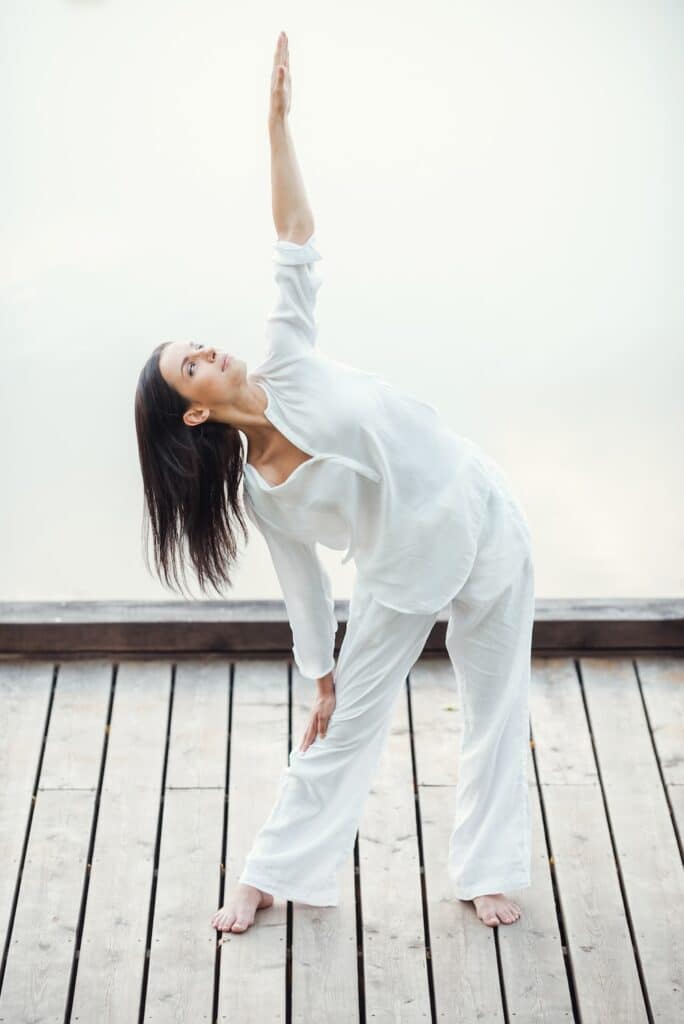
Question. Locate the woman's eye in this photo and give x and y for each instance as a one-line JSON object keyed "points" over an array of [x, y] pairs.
{"points": [[191, 365]]}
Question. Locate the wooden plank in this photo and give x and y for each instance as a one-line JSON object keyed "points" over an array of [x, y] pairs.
{"points": [[199, 727], [253, 963], [181, 979], [532, 962], [73, 752], [598, 937], [181, 976], [395, 966], [642, 828], [662, 685], [535, 978], [324, 944], [463, 952], [112, 954], [462, 949], [42, 947], [24, 700], [255, 628], [676, 794], [41, 953]]}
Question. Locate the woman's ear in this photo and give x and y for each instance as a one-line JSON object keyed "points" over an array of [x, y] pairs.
{"points": [[194, 417]]}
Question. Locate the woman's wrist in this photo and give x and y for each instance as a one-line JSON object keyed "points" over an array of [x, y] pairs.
{"points": [[278, 122], [326, 684]]}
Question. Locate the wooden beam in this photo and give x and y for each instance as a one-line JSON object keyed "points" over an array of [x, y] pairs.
{"points": [[563, 626]]}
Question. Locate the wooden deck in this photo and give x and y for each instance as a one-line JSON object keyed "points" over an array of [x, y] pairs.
{"points": [[128, 784]]}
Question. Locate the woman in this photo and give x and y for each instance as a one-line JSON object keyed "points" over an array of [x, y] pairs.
{"points": [[340, 457]]}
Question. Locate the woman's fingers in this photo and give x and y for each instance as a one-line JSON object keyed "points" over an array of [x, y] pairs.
{"points": [[323, 711], [318, 726], [308, 735], [282, 54], [281, 87]]}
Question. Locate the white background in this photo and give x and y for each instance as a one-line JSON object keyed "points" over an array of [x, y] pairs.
{"points": [[497, 195]]}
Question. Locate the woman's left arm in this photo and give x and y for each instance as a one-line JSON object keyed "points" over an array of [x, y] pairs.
{"points": [[307, 592]]}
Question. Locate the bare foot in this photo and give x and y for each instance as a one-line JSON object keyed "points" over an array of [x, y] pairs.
{"points": [[238, 912], [495, 908]]}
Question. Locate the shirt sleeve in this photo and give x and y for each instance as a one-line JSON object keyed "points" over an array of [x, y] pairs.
{"points": [[307, 592], [291, 327]]}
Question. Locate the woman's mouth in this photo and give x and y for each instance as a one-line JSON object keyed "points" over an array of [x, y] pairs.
{"points": [[226, 360]]}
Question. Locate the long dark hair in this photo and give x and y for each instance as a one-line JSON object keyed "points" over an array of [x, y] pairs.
{"points": [[191, 477]]}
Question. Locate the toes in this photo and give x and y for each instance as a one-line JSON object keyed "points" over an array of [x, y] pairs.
{"points": [[493, 911], [242, 924], [486, 913], [224, 922], [493, 916]]}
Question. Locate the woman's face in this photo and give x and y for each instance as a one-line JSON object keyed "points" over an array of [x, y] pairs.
{"points": [[198, 373]]}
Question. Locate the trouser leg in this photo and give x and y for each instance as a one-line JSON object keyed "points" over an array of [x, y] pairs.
{"points": [[488, 640], [312, 826]]}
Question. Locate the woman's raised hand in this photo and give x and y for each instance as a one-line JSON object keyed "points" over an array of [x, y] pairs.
{"points": [[281, 86]]}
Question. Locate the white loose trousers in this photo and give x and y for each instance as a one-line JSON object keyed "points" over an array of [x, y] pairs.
{"points": [[312, 826]]}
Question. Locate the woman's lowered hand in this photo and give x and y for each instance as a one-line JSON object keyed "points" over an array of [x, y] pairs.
{"points": [[320, 716]]}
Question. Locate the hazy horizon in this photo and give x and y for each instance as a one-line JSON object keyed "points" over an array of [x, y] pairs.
{"points": [[498, 203]]}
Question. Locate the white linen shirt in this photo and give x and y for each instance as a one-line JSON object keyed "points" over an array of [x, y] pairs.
{"points": [[388, 481]]}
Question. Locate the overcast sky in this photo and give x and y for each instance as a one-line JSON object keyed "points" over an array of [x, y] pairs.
{"points": [[497, 196]]}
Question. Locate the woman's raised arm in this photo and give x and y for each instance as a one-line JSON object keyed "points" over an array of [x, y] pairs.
{"points": [[292, 214]]}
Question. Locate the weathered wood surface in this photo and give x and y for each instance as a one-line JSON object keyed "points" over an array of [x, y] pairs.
{"points": [[183, 949], [662, 686], [324, 940], [165, 772], [113, 955], [25, 692], [394, 946], [645, 845], [594, 912], [253, 964], [464, 957], [44, 934]]}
